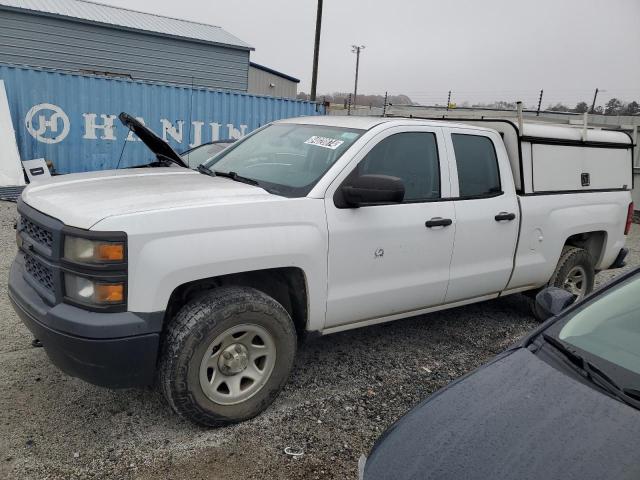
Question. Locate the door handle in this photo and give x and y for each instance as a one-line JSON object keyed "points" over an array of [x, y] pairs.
{"points": [[505, 216], [438, 222]]}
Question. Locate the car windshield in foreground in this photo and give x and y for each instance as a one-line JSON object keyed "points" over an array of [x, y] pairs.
{"points": [[285, 159], [605, 334]]}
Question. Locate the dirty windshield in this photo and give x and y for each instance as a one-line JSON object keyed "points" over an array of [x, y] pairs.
{"points": [[286, 159]]}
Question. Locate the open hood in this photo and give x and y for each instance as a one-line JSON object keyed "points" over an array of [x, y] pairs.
{"points": [[157, 145]]}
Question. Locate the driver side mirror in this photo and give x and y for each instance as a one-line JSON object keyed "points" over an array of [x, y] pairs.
{"points": [[370, 190], [552, 301]]}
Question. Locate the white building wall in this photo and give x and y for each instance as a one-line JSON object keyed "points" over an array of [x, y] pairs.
{"points": [[265, 83]]}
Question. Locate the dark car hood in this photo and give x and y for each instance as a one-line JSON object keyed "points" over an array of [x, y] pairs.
{"points": [[150, 139], [516, 418]]}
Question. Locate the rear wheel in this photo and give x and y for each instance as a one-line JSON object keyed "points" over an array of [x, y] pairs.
{"points": [[574, 273], [226, 356]]}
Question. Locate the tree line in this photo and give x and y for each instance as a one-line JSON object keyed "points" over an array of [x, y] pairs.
{"points": [[614, 106], [341, 98]]}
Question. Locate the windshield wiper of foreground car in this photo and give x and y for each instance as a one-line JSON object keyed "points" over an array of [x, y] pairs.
{"points": [[594, 374]]}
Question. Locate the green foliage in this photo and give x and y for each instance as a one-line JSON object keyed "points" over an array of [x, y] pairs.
{"points": [[559, 107], [613, 107], [581, 107], [632, 108]]}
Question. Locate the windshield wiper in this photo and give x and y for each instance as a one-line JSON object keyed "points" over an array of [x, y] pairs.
{"points": [[605, 382], [202, 169], [593, 373], [571, 355], [234, 176]]}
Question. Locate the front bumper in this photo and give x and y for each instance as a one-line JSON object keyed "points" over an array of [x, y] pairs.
{"points": [[115, 350]]}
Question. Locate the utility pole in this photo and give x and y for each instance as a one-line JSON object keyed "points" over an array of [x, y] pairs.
{"points": [[356, 49], [539, 103], [593, 105], [316, 52], [384, 107]]}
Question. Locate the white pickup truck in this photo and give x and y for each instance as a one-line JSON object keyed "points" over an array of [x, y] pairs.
{"points": [[205, 281]]}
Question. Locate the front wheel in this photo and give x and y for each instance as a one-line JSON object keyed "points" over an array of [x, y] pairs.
{"points": [[226, 356]]}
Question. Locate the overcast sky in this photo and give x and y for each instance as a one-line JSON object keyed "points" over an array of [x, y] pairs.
{"points": [[483, 50]]}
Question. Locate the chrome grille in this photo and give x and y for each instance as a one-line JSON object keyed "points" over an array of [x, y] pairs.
{"points": [[36, 232], [39, 272]]}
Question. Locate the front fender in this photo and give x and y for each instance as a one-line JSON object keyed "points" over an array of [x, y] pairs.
{"points": [[169, 248]]}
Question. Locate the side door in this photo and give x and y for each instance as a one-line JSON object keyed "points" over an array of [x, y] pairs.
{"points": [[384, 259], [487, 214]]}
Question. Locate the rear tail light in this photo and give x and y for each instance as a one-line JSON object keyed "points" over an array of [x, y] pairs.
{"points": [[627, 226]]}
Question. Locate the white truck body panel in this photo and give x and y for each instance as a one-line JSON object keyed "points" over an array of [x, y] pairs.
{"points": [[361, 265], [555, 167], [549, 220], [383, 261], [482, 267], [168, 248]]}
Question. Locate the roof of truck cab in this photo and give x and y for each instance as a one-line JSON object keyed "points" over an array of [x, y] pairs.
{"points": [[530, 129], [366, 123]]}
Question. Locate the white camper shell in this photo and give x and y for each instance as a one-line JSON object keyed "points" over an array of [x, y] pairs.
{"points": [[547, 158]]}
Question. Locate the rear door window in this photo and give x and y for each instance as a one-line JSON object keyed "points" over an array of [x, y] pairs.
{"points": [[478, 172]]}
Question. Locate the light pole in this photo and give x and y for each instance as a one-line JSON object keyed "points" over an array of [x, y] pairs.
{"points": [[593, 105], [316, 52], [356, 49], [595, 95]]}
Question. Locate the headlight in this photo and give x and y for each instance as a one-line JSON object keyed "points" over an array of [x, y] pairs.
{"points": [[81, 250], [93, 292]]}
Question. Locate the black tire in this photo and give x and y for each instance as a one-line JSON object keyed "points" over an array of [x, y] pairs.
{"points": [[190, 333], [570, 258]]}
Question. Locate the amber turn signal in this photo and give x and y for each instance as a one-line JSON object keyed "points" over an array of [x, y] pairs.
{"points": [[111, 252], [109, 293]]}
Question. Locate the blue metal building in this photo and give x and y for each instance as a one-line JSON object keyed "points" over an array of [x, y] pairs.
{"points": [[70, 67]]}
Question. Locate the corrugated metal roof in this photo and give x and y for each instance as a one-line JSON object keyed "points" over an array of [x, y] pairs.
{"points": [[130, 19]]}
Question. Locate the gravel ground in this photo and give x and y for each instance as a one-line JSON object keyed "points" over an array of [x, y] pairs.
{"points": [[345, 390]]}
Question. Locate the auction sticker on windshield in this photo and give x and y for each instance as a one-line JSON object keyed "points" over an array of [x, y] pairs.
{"points": [[324, 142]]}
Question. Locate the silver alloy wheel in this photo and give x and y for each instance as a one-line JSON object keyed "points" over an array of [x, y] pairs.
{"points": [[237, 364], [576, 282]]}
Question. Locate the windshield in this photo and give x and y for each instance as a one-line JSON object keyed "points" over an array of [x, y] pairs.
{"points": [[286, 159], [609, 327], [198, 155]]}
